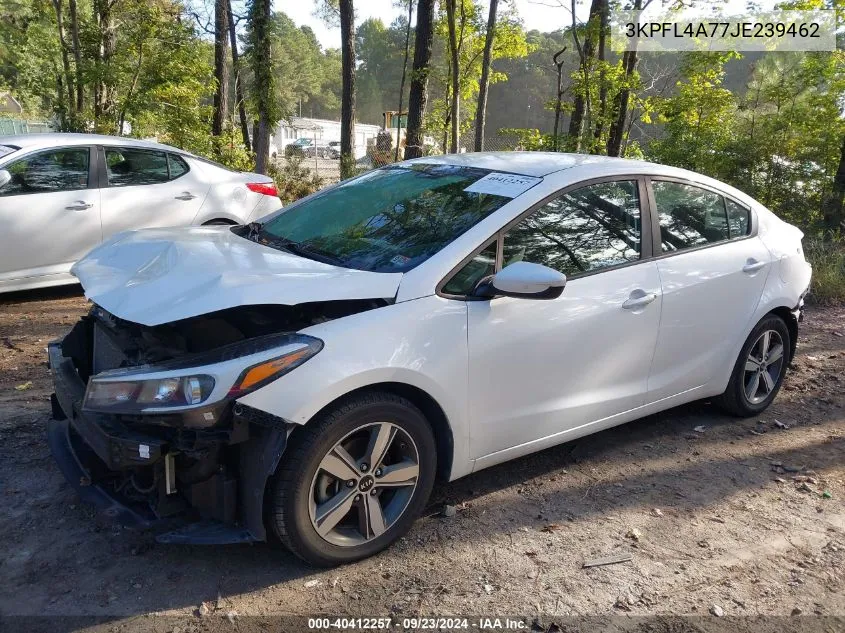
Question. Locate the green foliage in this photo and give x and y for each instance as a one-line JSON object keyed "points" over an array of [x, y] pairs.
{"points": [[230, 151], [293, 180], [154, 80], [528, 139], [828, 259], [509, 43], [699, 117]]}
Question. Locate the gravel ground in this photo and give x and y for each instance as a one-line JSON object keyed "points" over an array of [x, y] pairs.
{"points": [[719, 516]]}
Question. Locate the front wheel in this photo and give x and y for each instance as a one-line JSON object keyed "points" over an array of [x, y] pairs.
{"points": [[353, 481], [759, 370]]}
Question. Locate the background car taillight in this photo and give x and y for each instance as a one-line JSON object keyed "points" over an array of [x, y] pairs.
{"points": [[264, 188]]}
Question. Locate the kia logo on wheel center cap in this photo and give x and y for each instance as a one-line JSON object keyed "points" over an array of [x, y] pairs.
{"points": [[366, 483]]}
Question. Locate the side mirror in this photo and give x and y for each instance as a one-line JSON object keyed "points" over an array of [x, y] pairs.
{"points": [[5, 177], [527, 281]]}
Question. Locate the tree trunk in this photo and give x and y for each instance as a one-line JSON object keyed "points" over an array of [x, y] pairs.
{"points": [[68, 109], [127, 100], [77, 57], [456, 96], [260, 17], [347, 98], [834, 217], [221, 70], [620, 107], [481, 110], [418, 95], [106, 47], [586, 54], [236, 70], [404, 73], [602, 113], [558, 61]]}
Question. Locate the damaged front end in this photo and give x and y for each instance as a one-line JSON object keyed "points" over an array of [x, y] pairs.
{"points": [[146, 420]]}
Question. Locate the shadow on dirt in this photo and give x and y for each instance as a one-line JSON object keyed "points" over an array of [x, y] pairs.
{"points": [[175, 577]]}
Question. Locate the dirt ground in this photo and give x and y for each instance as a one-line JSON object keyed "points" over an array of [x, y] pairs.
{"points": [[740, 518]]}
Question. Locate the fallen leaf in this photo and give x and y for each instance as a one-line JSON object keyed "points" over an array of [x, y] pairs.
{"points": [[551, 527], [24, 386], [634, 534]]}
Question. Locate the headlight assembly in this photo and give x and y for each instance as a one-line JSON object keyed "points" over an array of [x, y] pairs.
{"points": [[201, 379]]}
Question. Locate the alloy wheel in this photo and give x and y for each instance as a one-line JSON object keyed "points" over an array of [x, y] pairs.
{"points": [[364, 484], [763, 367]]}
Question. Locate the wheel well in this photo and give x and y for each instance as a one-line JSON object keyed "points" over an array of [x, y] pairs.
{"points": [[219, 221], [792, 325], [430, 409]]}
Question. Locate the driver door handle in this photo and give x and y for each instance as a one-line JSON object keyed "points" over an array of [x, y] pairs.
{"points": [[186, 195], [752, 266], [639, 301], [79, 205]]}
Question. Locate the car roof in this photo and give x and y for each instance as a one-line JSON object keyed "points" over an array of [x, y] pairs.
{"points": [[575, 167], [54, 139], [528, 163]]}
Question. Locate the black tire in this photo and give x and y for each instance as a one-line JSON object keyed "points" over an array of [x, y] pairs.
{"points": [[735, 400], [291, 486]]}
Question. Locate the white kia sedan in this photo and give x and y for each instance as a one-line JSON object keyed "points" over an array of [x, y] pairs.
{"points": [[310, 376], [63, 194]]}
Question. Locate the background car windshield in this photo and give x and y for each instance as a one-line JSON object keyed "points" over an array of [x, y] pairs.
{"points": [[388, 220]]}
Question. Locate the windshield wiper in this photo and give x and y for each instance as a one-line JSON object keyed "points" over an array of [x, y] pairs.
{"points": [[298, 248]]}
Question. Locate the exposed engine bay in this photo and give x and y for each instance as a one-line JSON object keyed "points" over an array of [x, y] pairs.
{"points": [[209, 464], [117, 343]]}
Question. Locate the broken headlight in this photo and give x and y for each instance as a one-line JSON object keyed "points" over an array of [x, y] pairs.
{"points": [[199, 379]]}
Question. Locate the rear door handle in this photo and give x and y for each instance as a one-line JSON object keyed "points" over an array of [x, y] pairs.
{"points": [[80, 205], [639, 299], [186, 195], [752, 266]]}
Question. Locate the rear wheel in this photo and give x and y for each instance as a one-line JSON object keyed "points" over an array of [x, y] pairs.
{"points": [[759, 370], [353, 481]]}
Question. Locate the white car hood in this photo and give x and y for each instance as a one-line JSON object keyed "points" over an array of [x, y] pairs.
{"points": [[155, 276]]}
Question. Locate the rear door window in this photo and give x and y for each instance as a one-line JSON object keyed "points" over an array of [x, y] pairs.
{"points": [[738, 219], [689, 216], [178, 167], [132, 166]]}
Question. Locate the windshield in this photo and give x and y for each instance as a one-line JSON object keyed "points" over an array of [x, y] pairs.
{"points": [[5, 150], [388, 220]]}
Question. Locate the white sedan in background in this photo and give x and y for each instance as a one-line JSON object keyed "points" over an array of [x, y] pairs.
{"points": [[310, 376], [63, 194]]}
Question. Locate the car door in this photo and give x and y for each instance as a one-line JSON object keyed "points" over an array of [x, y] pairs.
{"points": [[713, 269], [49, 211], [148, 188], [543, 368]]}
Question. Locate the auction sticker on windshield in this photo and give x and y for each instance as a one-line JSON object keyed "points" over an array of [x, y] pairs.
{"points": [[506, 185]]}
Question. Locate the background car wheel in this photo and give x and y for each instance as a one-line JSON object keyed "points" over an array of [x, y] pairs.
{"points": [[759, 370], [354, 480]]}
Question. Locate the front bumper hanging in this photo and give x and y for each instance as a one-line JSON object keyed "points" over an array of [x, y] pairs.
{"points": [[94, 451]]}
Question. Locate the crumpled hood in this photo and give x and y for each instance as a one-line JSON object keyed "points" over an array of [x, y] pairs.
{"points": [[155, 276]]}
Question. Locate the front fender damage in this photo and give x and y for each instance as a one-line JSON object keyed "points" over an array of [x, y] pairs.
{"points": [[196, 477]]}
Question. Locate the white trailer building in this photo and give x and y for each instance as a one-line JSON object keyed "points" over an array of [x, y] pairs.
{"points": [[287, 132]]}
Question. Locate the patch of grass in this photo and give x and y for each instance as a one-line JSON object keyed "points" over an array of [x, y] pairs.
{"points": [[827, 257]]}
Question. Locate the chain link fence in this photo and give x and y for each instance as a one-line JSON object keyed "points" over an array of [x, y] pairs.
{"points": [[10, 126]]}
